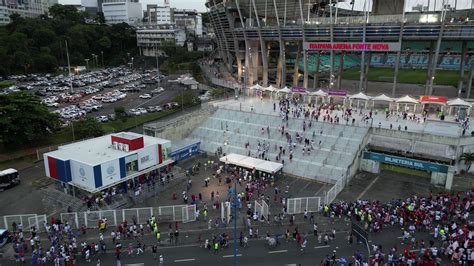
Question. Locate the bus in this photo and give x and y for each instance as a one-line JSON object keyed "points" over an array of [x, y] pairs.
{"points": [[8, 178]]}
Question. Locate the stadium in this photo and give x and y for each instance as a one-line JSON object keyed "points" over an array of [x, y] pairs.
{"points": [[300, 43]]}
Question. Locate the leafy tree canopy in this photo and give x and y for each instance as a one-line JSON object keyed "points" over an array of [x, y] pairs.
{"points": [[31, 45], [88, 128], [23, 119]]}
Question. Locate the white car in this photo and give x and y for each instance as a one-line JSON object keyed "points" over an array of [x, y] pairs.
{"points": [[145, 96], [142, 110]]}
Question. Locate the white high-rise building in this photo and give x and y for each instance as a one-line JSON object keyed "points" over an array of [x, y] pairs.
{"points": [[118, 11], [31, 8], [160, 15]]}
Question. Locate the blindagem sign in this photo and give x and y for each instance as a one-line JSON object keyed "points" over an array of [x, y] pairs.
{"points": [[353, 46]]}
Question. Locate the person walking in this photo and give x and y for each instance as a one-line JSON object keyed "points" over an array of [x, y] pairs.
{"points": [[216, 247], [162, 260], [153, 250]]}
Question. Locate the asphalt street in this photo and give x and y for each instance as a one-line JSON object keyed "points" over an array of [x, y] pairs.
{"points": [[257, 253]]}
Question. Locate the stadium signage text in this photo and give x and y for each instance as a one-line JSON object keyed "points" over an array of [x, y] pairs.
{"points": [[353, 46], [406, 162]]}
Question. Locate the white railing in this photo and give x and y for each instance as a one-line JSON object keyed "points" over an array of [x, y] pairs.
{"points": [[300, 205], [26, 221], [90, 219]]}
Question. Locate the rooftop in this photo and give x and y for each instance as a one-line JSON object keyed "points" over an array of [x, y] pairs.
{"points": [[98, 150]]}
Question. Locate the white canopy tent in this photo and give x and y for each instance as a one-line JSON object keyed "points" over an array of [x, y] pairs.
{"points": [[270, 88], [284, 90], [382, 98], [408, 101], [318, 94], [359, 97], [252, 163], [460, 107], [459, 102], [256, 87]]}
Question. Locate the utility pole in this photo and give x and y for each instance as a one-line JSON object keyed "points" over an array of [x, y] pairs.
{"points": [[68, 66], [157, 65], [235, 221]]}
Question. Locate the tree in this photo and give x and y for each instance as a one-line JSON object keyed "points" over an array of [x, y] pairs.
{"points": [[468, 158], [120, 113], [23, 119], [88, 128], [186, 98]]}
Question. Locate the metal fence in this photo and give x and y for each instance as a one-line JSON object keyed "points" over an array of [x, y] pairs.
{"points": [[179, 213], [27, 221], [226, 211], [261, 207], [334, 191], [300, 205]]}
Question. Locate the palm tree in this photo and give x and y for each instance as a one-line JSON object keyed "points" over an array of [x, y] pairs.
{"points": [[468, 158]]}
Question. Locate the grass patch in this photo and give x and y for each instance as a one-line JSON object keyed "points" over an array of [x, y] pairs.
{"points": [[6, 83], [413, 76], [65, 136]]}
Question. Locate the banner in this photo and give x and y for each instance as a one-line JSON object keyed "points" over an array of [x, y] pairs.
{"points": [[433, 99], [298, 90], [337, 93], [406, 162], [353, 46]]}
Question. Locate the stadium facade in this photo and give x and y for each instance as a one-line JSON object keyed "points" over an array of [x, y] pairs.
{"points": [[306, 42]]}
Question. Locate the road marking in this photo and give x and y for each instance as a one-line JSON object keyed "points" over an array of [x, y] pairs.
{"points": [[277, 251], [327, 246], [231, 256], [184, 260], [368, 187]]}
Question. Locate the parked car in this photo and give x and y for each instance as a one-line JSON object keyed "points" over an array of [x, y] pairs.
{"points": [[142, 110], [145, 96]]}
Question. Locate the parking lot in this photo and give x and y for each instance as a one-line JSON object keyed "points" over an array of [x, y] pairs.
{"points": [[98, 93]]}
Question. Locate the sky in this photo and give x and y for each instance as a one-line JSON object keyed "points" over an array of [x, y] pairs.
{"points": [[359, 4]]}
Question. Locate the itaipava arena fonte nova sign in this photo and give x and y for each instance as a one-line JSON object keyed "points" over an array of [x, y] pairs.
{"points": [[353, 46]]}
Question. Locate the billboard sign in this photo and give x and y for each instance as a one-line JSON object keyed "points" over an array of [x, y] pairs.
{"points": [[186, 152], [433, 99], [353, 46], [406, 162], [341, 93], [298, 90]]}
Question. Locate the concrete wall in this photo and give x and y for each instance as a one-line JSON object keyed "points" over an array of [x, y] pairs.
{"points": [[180, 127]]}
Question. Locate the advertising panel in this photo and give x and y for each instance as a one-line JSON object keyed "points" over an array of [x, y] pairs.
{"points": [[433, 99], [110, 172], [298, 90], [185, 152], [406, 162], [82, 175], [337, 93], [353, 46], [147, 157]]}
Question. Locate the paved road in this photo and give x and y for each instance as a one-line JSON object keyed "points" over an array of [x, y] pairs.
{"points": [[258, 252]]}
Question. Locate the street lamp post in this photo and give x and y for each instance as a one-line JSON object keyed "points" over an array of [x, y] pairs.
{"points": [[93, 62], [102, 56], [235, 206], [132, 64]]}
